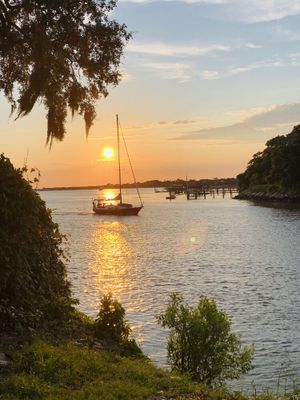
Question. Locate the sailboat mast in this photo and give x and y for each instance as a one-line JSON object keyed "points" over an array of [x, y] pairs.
{"points": [[119, 159]]}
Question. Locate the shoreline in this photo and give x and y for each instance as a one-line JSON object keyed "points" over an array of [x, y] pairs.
{"points": [[275, 197]]}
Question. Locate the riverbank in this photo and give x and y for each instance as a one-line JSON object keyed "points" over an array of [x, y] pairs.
{"points": [[272, 197], [69, 371], [40, 371]]}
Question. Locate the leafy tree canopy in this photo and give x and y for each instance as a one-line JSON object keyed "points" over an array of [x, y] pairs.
{"points": [[277, 167], [63, 53]]}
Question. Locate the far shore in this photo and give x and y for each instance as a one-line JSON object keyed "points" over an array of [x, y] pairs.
{"points": [[216, 182]]}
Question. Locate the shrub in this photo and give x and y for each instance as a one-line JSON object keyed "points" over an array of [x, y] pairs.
{"points": [[32, 269], [111, 327], [200, 342], [110, 323]]}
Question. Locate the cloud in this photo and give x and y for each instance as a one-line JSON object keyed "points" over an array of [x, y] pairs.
{"points": [[242, 115], [256, 128], [183, 50], [159, 124], [230, 71], [178, 122], [208, 75], [249, 11], [165, 49], [177, 71], [267, 10]]}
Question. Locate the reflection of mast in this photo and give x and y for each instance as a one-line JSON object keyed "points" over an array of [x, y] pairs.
{"points": [[119, 162]]}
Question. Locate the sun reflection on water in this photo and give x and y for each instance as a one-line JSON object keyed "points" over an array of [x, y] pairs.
{"points": [[110, 263]]}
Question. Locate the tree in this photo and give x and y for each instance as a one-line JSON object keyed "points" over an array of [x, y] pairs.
{"points": [[200, 342], [276, 167], [63, 53], [33, 281], [110, 323]]}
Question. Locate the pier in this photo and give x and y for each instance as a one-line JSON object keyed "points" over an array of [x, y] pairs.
{"points": [[202, 192]]}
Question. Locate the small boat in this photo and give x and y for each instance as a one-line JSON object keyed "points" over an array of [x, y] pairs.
{"points": [[160, 190], [108, 207], [171, 197]]}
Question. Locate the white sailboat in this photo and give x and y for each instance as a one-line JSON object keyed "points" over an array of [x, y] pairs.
{"points": [[106, 207]]}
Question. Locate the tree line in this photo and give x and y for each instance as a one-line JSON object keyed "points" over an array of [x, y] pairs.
{"points": [[277, 167]]}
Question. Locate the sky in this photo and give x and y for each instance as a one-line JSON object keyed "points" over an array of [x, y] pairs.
{"points": [[205, 84]]}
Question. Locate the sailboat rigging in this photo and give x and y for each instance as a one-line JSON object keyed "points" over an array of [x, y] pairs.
{"points": [[104, 207]]}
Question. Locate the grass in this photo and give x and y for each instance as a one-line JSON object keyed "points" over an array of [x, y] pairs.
{"points": [[42, 371]]}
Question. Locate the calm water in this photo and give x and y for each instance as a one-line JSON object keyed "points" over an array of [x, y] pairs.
{"points": [[244, 256]]}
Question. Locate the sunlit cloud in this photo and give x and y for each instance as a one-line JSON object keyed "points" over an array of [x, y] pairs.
{"points": [[176, 71], [183, 50], [208, 75], [242, 115], [184, 122], [163, 124], [97, 138], [277, 119], [166, 49]]}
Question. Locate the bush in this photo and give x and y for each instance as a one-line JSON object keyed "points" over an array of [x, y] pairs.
{"points": [[32, 269], [200, 342], [111, 327], [110, 323]]}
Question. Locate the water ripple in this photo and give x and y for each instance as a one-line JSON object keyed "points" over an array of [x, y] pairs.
{"points": [[246, 257]]}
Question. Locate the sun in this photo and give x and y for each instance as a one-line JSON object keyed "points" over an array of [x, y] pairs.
{"points": [[108, 153]]}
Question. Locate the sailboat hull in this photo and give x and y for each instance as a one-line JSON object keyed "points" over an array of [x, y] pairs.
{"points": [[117, 210]]}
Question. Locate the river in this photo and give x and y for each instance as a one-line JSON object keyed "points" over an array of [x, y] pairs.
{"points": [[244, 256]]}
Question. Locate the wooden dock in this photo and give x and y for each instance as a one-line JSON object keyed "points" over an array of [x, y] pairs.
{"points": [[202, 192], [196, 193]]}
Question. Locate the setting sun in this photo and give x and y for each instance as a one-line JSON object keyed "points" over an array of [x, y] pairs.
{"points": [[108, 152]]}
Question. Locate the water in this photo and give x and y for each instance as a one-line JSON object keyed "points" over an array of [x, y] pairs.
{"points": [[244, 256]]}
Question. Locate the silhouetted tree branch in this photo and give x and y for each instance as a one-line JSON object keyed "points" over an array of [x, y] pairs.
{"points": [[62, 53]]}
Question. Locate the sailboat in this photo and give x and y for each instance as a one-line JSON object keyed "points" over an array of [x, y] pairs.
{"points": [[106, 207]]}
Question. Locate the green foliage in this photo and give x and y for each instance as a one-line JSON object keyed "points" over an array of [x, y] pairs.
{"points": [[200, 341], [113, 330], [110, 323], [33, 284], [278, 165], [64, 53], [267, 188], [41, 371]]}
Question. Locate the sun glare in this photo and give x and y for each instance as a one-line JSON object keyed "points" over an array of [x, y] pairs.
{"points": [[108, 153]]}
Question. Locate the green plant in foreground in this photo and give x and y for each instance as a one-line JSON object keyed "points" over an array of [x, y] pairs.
{"points": [[41, 371], [111, 327], [110, 323], [201, 343], [33, 287]]}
